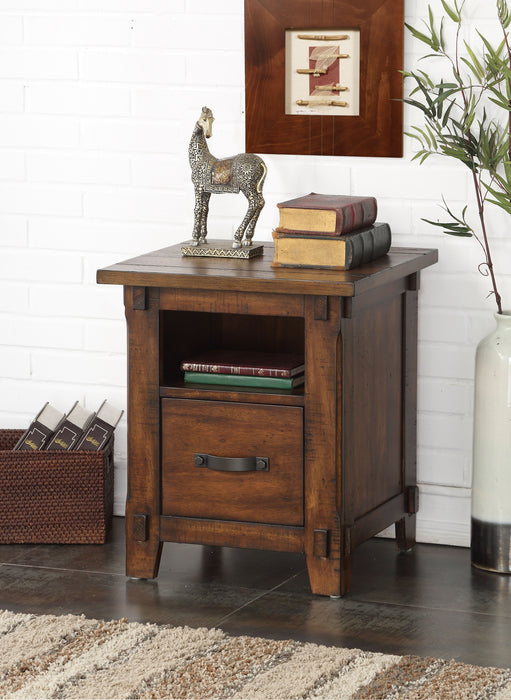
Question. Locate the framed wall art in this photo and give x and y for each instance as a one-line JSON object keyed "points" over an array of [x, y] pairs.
{"points": [[322, 77]]}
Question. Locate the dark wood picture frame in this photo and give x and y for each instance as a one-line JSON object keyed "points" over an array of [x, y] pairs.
{"points": [[377, 130]]}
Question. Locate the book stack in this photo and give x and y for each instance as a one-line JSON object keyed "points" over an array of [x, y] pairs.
{"points": [[336, 232], [80, 429], [245, 368]]}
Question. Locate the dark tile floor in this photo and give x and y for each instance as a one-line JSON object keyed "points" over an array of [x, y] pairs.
{"points": [[427, 602]]}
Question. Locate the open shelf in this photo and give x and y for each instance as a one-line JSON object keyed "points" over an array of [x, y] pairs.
{"points": [[184, 334]]}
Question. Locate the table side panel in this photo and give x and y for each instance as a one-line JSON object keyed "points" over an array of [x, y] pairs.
{"points": [[373, 406]]}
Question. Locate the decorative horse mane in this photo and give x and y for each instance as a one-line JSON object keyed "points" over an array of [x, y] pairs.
{"points": [[245, 172]]}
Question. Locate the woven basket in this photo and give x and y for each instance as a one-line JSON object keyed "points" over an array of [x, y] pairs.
{"points": [[54, 497]]}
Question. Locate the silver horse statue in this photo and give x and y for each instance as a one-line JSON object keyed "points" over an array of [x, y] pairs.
{"points": [[245, 172]]}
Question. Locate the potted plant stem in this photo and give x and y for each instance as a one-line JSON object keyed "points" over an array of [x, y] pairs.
{"points": [[467, 117]]}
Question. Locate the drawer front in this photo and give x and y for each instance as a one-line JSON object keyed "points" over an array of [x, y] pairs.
{"points": [[237, 486]]}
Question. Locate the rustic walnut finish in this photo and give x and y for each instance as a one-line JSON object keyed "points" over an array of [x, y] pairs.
{"points": [[348, 436]]}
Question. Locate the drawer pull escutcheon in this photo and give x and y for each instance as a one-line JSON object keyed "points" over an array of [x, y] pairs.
{"points": [[232, 464]]}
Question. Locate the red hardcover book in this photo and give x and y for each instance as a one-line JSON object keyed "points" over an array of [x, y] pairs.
{"points": [[247, 363], [326, 214]]}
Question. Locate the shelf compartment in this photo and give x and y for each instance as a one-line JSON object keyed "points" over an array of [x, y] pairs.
{"points": [[184, 334]]}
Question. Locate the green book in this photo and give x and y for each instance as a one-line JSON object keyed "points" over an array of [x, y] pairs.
{"points": [[243, 380]]}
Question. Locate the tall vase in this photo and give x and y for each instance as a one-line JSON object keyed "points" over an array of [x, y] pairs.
{"points": [[491, 477]]}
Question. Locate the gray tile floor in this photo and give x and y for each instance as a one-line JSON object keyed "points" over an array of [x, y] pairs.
{"points": [[427, 602]]}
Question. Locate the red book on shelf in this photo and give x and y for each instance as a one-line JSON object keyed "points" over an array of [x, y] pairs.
{"points": [[326, 214], [245, 362]]}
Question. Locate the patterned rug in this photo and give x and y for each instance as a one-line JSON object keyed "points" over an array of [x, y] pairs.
{"points": [[44, 656]]}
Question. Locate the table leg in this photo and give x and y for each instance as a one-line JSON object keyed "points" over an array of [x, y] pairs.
{"points": [[328, 559], [405, 533], [143, 546]]}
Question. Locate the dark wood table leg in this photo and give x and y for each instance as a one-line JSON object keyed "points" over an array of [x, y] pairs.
{"points": [[405, 533], [406, 527], [143, 546], [328, 561]]}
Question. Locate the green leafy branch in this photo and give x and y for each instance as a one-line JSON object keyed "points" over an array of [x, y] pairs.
{"points": [[455, 116], [456, 226]]}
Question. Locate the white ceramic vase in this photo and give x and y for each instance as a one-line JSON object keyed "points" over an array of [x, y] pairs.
{"points": [[491, 476]]}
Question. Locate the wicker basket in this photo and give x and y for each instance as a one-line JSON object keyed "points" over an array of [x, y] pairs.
{"points": [[54, 497]]}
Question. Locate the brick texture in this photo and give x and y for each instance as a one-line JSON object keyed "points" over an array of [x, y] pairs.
{"points": [[97, 102]]}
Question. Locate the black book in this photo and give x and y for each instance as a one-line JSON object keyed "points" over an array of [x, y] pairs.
{"points": [[71, 429], [100, 429], [40, 431], [332, 253]]}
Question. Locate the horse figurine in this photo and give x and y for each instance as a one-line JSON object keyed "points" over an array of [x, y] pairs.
{"points": [[245, 172]]}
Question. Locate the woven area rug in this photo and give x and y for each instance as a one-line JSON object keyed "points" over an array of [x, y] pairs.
{"points": [[46, 656]]}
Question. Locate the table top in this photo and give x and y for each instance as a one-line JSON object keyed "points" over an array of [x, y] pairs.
{"points": [[168, 268]]}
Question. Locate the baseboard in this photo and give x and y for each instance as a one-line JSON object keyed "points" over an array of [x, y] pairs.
{"points": [[434, 532], [119, 506], [437, 532]]}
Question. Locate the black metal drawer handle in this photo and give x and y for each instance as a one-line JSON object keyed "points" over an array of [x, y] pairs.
{"points": [[232, 464]]}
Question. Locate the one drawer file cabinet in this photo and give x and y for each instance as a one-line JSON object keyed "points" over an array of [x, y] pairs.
{"points": [[317, 469]]}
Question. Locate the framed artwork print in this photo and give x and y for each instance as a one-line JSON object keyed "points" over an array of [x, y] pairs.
{"points": [[322, 77]]}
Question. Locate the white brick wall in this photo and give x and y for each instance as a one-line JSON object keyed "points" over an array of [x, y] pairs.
{"points": [[97, 102]]}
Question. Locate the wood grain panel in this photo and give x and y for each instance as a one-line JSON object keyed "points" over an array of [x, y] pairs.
{"points": [[208, 392], [373, 410], [277, 538], [166, 268], [232, 431], [232, 302]]}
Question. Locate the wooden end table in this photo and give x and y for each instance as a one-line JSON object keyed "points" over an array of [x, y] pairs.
{"points": [[341, 449]]}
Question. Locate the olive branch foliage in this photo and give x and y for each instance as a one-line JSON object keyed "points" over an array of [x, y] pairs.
{"points": [[457, 123]]}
